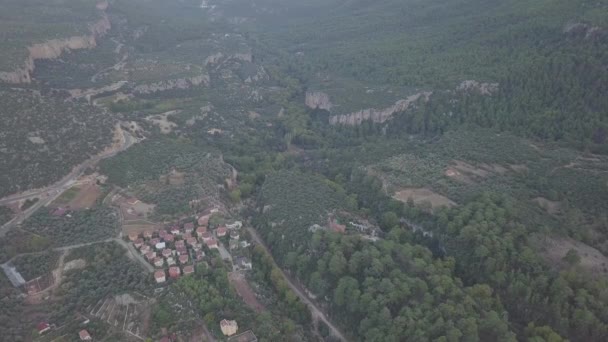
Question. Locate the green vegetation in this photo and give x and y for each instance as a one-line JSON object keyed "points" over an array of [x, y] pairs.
{"points": [[18, 242], [490, 246], [109, 272], [83, 226], [31, 266], [27, 22], [6, 214], [35, 131], [210, 296]]}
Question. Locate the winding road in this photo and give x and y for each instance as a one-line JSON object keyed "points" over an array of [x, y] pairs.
{"points": [[317, 314], [50, 193]]}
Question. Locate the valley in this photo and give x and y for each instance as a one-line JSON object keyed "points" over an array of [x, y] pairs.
{"points": [[233, 170]]}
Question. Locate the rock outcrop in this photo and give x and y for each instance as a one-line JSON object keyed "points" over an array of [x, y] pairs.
{"points": [[585, 31], [378, 115], [318, 100], [55, 47], [479, 87], [179, 83]]}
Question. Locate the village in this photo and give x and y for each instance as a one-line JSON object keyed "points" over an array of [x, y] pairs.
{"points": [[176, 251]]}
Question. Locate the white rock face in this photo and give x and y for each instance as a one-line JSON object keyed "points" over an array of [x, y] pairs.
{"points": [[55, 47], [179, 83], [318, 100], [377, 115], [475, 86]]}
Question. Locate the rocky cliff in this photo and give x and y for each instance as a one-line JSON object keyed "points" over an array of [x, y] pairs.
{"points": [[377, 115], [479, 87], [55, 47], [179, 83], [318, 100]]}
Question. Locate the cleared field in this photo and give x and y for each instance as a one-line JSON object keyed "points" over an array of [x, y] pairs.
{"points": [[138, 228], [79, 197], [424, 195], [245, 291], [554, 249], [127, 312]]}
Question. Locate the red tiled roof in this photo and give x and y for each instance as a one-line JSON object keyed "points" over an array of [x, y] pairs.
{"points": [[221, 231], [188, 269], [84, 335], [42, 326], [189, 225], [159, 274], [183, 259], [174, 271]]}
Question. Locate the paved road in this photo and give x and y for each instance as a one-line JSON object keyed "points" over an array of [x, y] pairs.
{"points": [[49, 194], [317, 314]]}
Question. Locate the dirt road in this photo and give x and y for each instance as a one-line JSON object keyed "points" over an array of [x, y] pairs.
{"points": [[317, 314], [49, 194]]}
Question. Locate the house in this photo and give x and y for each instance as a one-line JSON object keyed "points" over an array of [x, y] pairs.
{"points": [[170, 261], [233, 244], [174, 272], [84, 335], [221, 231], [188, 270], [188, 229], [182, 250], [162, 233], [148, 234], [191, 241], [145, 249], [169, 237], [159, 262], [187, 236], [165, 339], [175, 230], [160, 245], [336, 227], [43, 327], [235, 225], [200, 255], [206, 236], [212, 243], [59, 211], [167, 252], [229, 328], [150, 256], [203, 220], [200, 231], [179, 243], [247, 336], [234, 234], [244, 263], [138, 243], [159, 275], [133, 236], [154, 241], [183, 259]]}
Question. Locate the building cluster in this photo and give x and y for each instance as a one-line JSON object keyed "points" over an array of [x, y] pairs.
{"points": [[174, 251]]}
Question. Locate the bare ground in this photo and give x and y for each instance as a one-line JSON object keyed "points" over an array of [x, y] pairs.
{"points": [[553, 249], [245, 291], [422, 195], [549, 206]]}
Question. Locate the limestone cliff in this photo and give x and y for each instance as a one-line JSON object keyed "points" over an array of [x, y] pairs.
{"points": [[479, 87], [318, 100], [377, 115], [55, 47], [180, 83]]}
